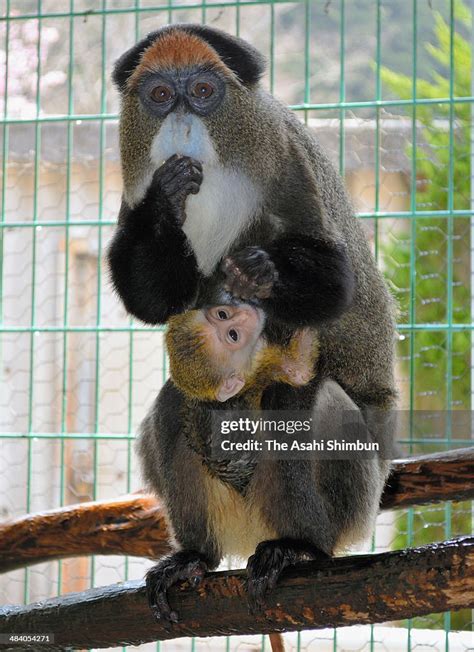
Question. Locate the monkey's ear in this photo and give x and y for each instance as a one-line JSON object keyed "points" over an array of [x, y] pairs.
{"points": [[229, 388], [238, 55], [129, 60]]}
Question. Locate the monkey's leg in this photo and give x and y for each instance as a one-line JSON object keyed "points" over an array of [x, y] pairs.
{"points": [[154, 269], [177, 475], [265, 566], [325, 504]]}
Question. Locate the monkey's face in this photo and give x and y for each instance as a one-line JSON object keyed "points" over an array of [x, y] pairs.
{"points": [[233, 338], [188, 90], [173, 107], [198, 89], [180, 96]]}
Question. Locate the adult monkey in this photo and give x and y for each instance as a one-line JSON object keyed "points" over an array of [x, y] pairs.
{"points": [[215, 168]]}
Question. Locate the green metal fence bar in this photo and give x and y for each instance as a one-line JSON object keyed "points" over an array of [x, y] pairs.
{"points": [[86, 13], [67, 234], [377, 164], [449, 279], [136, 328], [5, 133], [31, 382], [378, 97], [412, 304], [362, 104], [401, 215]]}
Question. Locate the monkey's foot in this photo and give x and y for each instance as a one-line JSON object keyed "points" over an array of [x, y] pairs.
{"points": [[185, 565], [249, 273], [265, 566]]}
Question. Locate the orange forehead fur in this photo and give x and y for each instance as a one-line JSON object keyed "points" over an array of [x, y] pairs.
{"points": [[176, 50]]}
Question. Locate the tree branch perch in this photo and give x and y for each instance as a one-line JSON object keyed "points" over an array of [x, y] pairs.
{"points": [[425, 479], [132, 525], [344, 591], [135, 525]]}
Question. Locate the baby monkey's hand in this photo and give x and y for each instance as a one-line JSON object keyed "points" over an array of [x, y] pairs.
{"points": [[250, 273]]}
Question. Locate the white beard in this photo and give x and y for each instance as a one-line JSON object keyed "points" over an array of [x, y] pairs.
{"points": [[227, 200]]}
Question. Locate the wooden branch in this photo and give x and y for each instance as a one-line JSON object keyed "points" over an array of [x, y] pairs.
{"points": [[343, 591], [430, 478], [135, 525], [132, 525]]}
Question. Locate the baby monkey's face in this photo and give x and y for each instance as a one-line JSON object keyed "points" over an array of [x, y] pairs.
{"points": [[233, 328], [233, 335], [233, 332]]}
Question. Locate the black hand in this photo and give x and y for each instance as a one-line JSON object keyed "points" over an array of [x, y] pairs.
{"points": [[180, 566], [249, 273], [177, 178]]}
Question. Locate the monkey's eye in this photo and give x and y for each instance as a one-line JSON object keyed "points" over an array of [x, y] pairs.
{"points": [[222, 314], [203, 90], [161, 94], [233, 335]]}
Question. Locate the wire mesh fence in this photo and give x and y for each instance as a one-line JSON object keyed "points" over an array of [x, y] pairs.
{"points": [[386, 85]]}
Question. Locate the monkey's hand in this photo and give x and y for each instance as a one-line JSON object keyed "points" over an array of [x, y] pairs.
{"points": [[184, 565], [177, 178], [250, 273], [265, 566]]}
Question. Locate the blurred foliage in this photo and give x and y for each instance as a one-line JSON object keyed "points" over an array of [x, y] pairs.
{"points": [[418, 255]]}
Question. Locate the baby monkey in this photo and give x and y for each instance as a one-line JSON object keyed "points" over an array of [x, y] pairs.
{"points": [[220, 351]]}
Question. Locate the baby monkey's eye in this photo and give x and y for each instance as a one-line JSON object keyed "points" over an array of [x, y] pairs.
{"points": [[161, 94], [233, 335], [202, 90], [222, 314]]}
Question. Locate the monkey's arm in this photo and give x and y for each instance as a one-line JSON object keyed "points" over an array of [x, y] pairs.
{"points": [[174, 472], [153, 267], [299, 279]]}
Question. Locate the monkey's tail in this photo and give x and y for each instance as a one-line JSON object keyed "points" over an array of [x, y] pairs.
{"points": [[276, 641]]}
